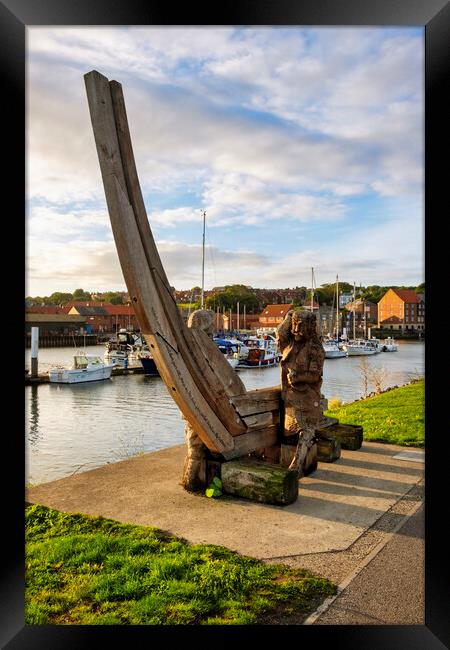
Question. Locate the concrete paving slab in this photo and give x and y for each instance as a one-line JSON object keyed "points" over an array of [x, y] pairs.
{"points": [[336, 504], [416, 456]]}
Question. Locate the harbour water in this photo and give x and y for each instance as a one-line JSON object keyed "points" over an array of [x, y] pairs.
{"points": [[75, 428]]}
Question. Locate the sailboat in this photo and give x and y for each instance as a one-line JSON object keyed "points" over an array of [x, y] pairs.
{"points": [[362, 346], [228, 351], [331, 346]]}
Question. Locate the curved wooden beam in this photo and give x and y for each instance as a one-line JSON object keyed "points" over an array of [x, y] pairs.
{"points": [[195, 372]]}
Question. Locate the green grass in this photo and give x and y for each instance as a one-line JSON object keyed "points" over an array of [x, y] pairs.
{"points": [[396, 417], [90, 570]]}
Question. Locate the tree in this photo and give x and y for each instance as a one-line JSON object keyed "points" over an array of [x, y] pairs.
{"points": [[81, 294], [113, 297], [59, 298], [230, 296]]}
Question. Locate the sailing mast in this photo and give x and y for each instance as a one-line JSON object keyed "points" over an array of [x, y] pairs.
{"points": [[337, 308], [203, 261], [354, 309], [319, 322], [364, 312]]}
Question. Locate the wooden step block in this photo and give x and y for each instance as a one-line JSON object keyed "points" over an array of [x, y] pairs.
{"points": [[328, 450], [287, 453], [259, 481], [349, 435]]}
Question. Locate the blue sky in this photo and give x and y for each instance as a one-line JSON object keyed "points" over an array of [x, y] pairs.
{"points": [[303, 145]]}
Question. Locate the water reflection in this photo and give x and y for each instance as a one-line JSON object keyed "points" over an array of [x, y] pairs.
{"points": [[33, 433]]}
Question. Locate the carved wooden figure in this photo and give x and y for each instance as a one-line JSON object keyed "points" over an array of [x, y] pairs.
{"points": [[301, 380], [194, 471]]}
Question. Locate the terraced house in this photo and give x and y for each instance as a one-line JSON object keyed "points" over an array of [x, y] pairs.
{"points": [[402, 309]]}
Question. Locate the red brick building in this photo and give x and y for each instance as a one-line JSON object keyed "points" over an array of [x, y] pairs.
{"points": [[365, 314], [273, 315], [401, 309]]}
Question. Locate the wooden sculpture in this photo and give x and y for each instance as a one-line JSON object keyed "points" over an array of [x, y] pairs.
{"points": [[301, 379], [224, 421], [228, 419]]}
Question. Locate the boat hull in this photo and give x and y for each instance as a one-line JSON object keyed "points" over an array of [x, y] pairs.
{"points": [[233, 362], [258, 363], [79, 376], [335, 354], [149, 365]]}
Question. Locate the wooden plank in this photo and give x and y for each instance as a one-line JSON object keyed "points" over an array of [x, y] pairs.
{"points": [[155, 307], [169, 361], [132, 180], [140, 282], [261, 420], [108, 149], [258, 401], [209, 382], [252, 440]]}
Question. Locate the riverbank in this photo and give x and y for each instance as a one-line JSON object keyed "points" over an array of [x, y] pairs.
{"points": [[396, 416]]}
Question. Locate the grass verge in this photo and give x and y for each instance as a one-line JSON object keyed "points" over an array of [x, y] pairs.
{"points": [[396, 417], [91, 570]]}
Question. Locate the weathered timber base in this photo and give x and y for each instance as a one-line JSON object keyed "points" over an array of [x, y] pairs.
{"points": [[350, 436], [260, 481], [287, 453], [328, 450]]}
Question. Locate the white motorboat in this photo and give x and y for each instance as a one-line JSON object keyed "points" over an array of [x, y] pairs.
{"points": [[375, 343], [85, 367], [360, 347], [332, 350], [389, 345]]}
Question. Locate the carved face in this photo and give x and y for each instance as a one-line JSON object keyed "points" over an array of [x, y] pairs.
{"points": [[303, 325]]}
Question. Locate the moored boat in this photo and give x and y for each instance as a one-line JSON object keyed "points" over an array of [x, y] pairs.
{"points": [[360, 347], [86, 367], [332, 350], [229, 349], [389, 345], [262, 352], [149, 365], [126, 347]]}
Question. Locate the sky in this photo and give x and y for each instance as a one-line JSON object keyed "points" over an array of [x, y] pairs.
{"points": [[305, 147]]}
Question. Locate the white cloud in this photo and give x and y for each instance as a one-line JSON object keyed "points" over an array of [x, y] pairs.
{"points": [[265, 126]]}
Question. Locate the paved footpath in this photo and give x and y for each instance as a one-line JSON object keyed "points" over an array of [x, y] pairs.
{"points": [[388, 587], [357, 521]]}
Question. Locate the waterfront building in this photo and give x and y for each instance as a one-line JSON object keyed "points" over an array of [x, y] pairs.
{"points": [[402, 309], [272, 316], [103, 317], [365, 314], [54, 324]]}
